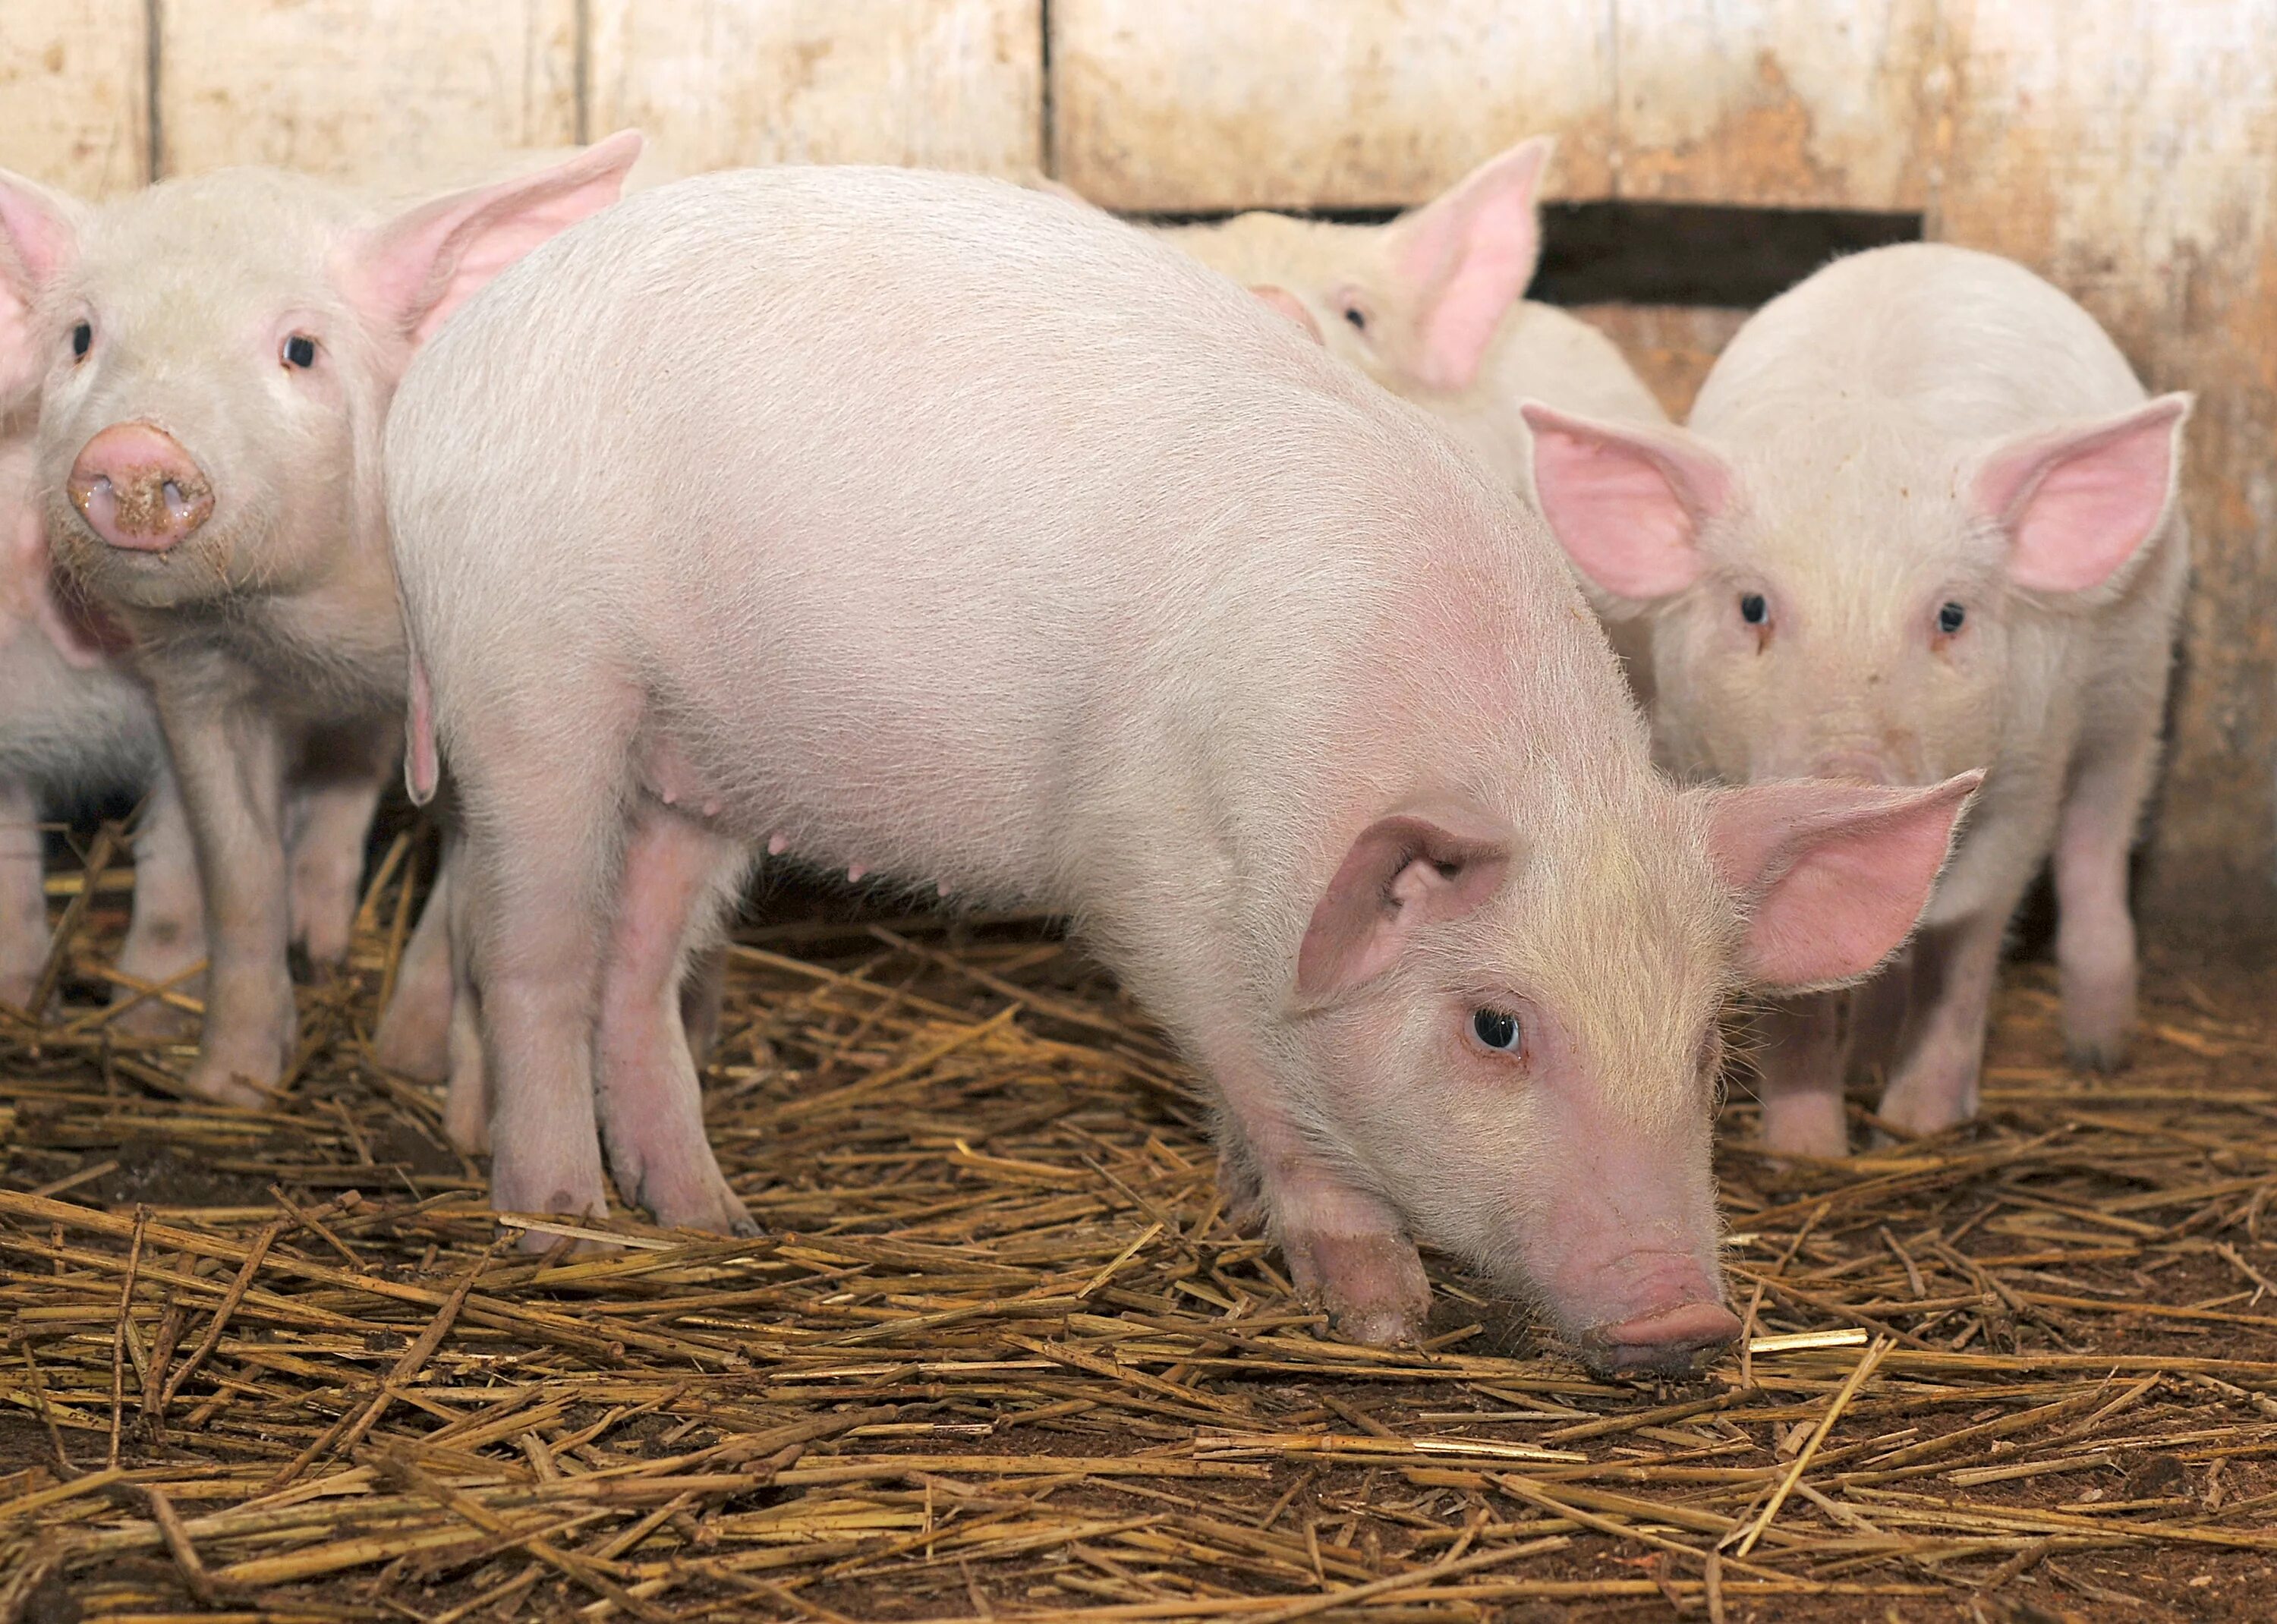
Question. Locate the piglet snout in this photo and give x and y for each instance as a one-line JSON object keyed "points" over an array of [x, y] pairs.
{"points": [[137, 488], [1666, 1342]]}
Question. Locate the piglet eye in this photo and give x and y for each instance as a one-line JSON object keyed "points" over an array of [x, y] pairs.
{"points": [[1357, 317], [1496, 1029], [82, 339], [1755, 608], [300, 351], [1951, 617]]}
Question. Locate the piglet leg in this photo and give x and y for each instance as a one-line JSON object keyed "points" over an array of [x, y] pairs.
{"points": [[1954, 967], [2094, 931], [412, 1037], [166, 936], [1800, 1076], [23, 898], [231, 766], [332, 821], [1347, 1248], [676, 878]]}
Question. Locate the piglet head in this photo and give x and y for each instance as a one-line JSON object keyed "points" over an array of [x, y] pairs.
{"points": [[216, 355], [1847, 602], [1510, 1030]]}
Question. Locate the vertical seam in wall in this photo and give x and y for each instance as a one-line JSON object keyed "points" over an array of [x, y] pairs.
{"points": [[582, 57], [1613, 114], [154, 134], [1046, 146]]}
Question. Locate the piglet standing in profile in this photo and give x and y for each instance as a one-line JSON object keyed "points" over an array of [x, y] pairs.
{"points": [[1922, 521], [216, 356], [1038, 562]]}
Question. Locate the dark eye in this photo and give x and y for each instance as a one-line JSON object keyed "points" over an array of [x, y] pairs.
{"points": [[1753, 608], [83, 338], [1951, 617], [300, 351], [1496, 1029], [1357, 316]]}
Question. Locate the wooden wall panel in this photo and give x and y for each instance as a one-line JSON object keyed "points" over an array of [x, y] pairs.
{"points": [[73, 98], [1173, 105], [945, 84], [395, 92], [1671, 346], [2128, 150], [1778, 103]]}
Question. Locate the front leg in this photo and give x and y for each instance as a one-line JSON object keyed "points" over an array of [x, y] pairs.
{"points": [[1348, 1250], [167, 934], [2095, 930], [23, 896], [1800, 1076], [1955, 966], [231, 763]]}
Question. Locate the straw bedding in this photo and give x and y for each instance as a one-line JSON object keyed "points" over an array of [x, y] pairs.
{"points": [[999, 1355]]}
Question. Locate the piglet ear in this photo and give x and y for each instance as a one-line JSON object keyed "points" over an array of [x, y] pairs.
{"points": [[1416, 868], [2079, 502], [1284, 302], [1831, 876], [1625, 501], [39, 238], [1462, 259], [410, 274]]}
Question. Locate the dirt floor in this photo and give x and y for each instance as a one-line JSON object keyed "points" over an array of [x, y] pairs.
{"points": [[998, 1356]]}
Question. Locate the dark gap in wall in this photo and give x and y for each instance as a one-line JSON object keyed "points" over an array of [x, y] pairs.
{"points": [[1697, 254], [1676, 253], [1046, 141], [153, 156]]}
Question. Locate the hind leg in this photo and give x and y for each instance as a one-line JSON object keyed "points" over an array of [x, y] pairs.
{"points": [[23, 896], [331, 821], [2094, 931], [674, 882], [538, 866]]}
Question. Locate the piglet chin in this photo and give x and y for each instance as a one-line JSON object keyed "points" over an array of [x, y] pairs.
{"points": [[1667, 1342]]}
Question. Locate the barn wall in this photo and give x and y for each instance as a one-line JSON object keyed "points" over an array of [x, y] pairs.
{"points": [[2127, 148]]}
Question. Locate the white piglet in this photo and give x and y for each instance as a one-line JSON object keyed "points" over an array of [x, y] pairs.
{"points": [[1922, 521], [216, 356], [922, 524], [74, 725], [1433, 307]]}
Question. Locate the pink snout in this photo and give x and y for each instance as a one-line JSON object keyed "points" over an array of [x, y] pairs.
{"points": [[1663, 1343], [137, 488]]}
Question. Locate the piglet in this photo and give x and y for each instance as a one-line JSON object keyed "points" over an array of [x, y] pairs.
{"points": [[216, 356], [75, 724], [1038, 564], [1922, 521], [1432, 306]]}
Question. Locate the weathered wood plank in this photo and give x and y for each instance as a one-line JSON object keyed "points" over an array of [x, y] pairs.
{"points": [[1671, 346], [404, 92], [1777, 103], [946, 84], [1177, 105], [2128, 150], [73, 89]]}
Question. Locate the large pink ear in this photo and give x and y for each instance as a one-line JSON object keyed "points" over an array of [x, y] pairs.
{"points": [[1415, 867], [1831, 874], [1463, 258], [39, 238], [411, 273], [1626, 501], [2077, 502]]}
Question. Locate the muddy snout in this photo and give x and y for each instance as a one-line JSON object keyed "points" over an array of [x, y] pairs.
{"points": [[1669, 1342], [137, 488]]}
